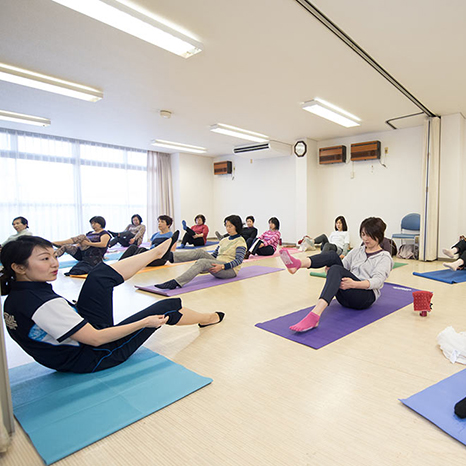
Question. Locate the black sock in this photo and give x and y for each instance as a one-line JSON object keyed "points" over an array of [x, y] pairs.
{"points": [[168, 256], [170, 285], [460, 408]]}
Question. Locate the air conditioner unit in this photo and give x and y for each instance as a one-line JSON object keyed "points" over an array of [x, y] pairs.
{"points": [[263, 150]]}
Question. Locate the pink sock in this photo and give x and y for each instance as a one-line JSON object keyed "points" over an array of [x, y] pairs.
{"points": [[290, 261], [309, 322]]}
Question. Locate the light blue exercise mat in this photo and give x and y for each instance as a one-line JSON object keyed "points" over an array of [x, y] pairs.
{"points": [[437, 404], [64, 412]]}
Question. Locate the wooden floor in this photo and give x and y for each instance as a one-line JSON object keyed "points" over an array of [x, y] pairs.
{"points": [[275, 402]]}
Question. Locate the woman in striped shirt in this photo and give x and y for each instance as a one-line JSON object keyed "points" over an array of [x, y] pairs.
{"points": [[266, 244]]}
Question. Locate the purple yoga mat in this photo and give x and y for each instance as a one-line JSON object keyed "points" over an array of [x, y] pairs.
{"points": [[208, 280], [338, 321]]}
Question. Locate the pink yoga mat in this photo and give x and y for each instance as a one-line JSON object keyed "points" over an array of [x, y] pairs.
{"points": [[207, 281]]}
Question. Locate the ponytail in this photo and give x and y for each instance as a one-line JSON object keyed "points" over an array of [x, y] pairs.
{"points": [[17, 252]]}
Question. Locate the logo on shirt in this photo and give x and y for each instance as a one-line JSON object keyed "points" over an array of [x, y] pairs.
{"points": [[10, 321]]}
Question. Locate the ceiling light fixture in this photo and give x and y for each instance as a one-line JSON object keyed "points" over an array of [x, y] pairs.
{"points": [[21, 118], [239, 133], [331, 112], [179, 147], [43, 82], [136, 23]]}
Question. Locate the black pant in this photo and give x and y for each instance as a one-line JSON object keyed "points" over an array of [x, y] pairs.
{"points": [[188, 238], [95, 304], [122, 238], [264, 251], [461, 246], [133, 250], [352, 298]]}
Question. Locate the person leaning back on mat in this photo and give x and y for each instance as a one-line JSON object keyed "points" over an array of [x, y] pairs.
{"points": [[80, 338], [355, 281]]}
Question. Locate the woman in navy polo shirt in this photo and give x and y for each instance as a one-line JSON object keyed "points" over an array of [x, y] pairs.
{"points": [[82, 337]]}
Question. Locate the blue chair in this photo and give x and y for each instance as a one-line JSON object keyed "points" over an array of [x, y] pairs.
{"points": [[411, 223]]}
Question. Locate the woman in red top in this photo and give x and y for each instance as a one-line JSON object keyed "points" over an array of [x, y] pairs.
{"points": [[197, 234]]}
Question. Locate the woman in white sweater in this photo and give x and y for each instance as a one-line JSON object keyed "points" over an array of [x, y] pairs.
{"points": [[355, 281], [338, 240]]}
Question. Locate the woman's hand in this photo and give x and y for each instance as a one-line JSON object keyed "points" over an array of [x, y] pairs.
{"points": [[261, 245], [131, 241], [216, 268], [86, 242], [347, 283], [156, 321]]}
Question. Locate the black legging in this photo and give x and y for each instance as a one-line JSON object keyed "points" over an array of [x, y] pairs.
{"points": [[461, 246], [122, 238], [133, 250], [188, 238], [95, 304], [352, 298]]}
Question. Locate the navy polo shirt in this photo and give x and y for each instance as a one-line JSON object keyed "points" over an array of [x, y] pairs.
{"points": [[41, 322]]}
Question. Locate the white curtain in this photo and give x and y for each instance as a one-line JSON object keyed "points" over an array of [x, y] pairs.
{"points": [[428, 243], [58, 184], [159, 188]]}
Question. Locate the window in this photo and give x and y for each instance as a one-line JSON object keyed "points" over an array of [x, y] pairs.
{"points": [[59, 184]]}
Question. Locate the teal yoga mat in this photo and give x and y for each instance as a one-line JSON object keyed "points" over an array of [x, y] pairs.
{"points": [[63, 412]]}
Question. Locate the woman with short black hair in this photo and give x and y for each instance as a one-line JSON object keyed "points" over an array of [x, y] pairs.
{"points": [[197, 234], [355, 281], [267, 243], [132, 234], [224, 262], [88, 249]]}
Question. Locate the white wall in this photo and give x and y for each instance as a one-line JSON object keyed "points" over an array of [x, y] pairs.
{"points": [[452, 202], [373, 190], [193, 178], [263, 188], [275, 187]]}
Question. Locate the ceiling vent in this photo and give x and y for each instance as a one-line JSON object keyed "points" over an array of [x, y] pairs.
{"points": [[263, 150]]}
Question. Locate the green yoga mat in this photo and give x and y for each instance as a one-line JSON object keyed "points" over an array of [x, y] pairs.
{"points": [[64, 412], [324, 275]]}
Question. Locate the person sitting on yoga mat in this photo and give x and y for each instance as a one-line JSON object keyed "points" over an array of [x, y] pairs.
{"points": [[20, 224], [133, 233], [355, 281], [338, 240], [460, 249], [249, 232], [266, 244], [80, 337], [88, 249], [197, 234], [224, 262], [165, 222]]}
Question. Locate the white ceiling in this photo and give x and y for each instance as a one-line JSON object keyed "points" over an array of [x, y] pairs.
{"points": [[261, 59]]}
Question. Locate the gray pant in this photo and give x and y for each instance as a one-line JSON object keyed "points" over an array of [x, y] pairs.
{"points": [[203, 263]]}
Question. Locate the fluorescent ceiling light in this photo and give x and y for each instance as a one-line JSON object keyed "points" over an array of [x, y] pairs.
{"points": [[121, 16], [21, 118], [331, 112], [179, 147], [239, 133], [28, 78]]}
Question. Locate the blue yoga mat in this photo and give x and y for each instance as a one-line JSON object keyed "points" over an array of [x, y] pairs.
{"points": [[69, 261], [64, 412], [437, 404], [446, 275]]}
